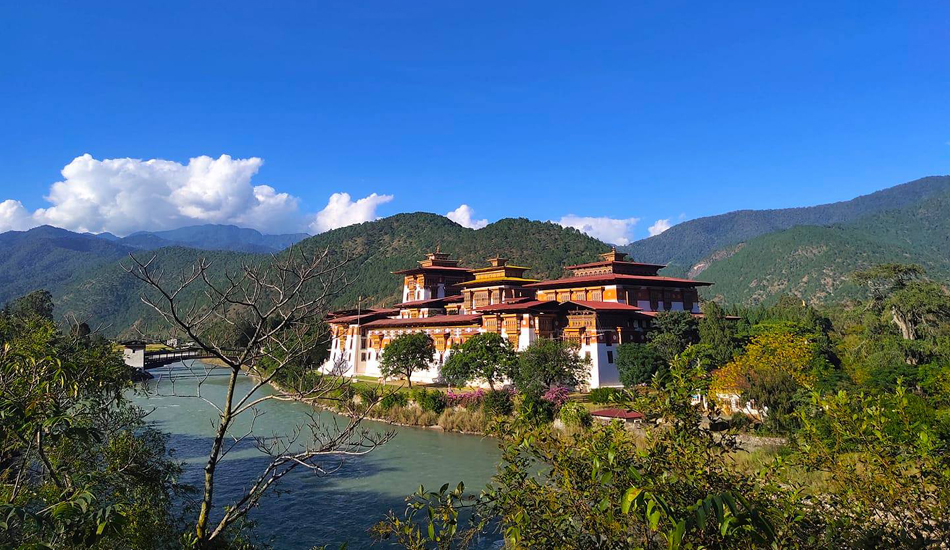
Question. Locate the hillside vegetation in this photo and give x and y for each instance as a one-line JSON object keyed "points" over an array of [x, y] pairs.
{"points": [[751, 256], [85, 276], [685, 244], [814, 262]]}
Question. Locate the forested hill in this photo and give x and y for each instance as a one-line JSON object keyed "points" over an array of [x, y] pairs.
{"points": [[380, 247], [814, 262], [46, 257], [85, 276], [685, 244]]}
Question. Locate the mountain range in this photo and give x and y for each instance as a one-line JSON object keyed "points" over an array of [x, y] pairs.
{"points": [[753, 256], [209, 237]]}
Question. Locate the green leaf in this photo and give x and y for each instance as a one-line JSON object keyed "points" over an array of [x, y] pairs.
{"points": [[628, 497]]}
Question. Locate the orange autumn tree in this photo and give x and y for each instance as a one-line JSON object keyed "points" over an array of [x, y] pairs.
{"points": [[769, 355]]}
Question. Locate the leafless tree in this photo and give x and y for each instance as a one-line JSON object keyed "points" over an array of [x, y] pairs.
{"points": [[278, 303]]}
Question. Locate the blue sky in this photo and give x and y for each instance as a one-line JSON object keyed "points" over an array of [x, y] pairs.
{"points": [[648, 110]]}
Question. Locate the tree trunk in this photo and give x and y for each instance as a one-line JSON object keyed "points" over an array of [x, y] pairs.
{"points": [[204, 515], [908, 330]]}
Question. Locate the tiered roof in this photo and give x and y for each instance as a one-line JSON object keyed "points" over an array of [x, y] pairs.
{"points": [[498, 272], [436, 262]]}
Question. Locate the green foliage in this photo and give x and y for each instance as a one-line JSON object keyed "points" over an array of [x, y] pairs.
{"points": [[888, 474], [535, 410], [638, 363], [394, 399], [485, 357], [406, 354], [81, 468], [685, 244], [429, 400], [604, 396], [575, 414], [718, 333], [38, 303], [545, 363], [498, 403], [601, 490]]}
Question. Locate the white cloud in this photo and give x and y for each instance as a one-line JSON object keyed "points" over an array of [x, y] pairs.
{"points": [[341, 211], [659, 227], [127, 195], [463, 216], [609, 230], [13, 217]]}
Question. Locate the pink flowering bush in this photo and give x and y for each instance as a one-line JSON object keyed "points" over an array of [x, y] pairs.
{"points": [[469, 400], [556, 395]]}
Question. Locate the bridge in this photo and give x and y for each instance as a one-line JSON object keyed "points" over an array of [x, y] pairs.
{"points": [[137, 355]]}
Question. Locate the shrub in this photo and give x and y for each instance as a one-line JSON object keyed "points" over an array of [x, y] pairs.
{"points": [[498, 402], [536, 409], [395, 399], [429, 401], [557, 396], [368, 394], [469, 400], [603, 396], [575, 414]]}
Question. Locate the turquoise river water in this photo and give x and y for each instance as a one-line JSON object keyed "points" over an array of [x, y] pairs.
{"points": [[309, 510]]}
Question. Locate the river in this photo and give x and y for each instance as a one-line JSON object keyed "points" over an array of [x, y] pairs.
{"points": [[310, 510]]}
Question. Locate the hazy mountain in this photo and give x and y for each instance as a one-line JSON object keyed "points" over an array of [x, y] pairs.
{"points": [[685, 244], [210, 237]]}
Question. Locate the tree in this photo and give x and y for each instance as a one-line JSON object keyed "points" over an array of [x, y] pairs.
{"points": [[79, 466], [283, 301], [38, 303], [717, 332], [637, 363], [672, 332], [486, 356], [777, 359], [547, 362], [406, 354], [913, 302]]}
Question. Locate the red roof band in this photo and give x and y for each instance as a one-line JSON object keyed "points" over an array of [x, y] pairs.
{"points": [[614, 277], [622, 414], [435, 320]]}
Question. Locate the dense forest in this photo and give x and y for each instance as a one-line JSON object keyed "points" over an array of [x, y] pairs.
{"points": [[685, 244]]}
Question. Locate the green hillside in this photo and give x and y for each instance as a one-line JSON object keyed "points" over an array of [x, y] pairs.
{"points": [[99, 291], [685, 244], [380, 247], [47, 257], [814, 262]]}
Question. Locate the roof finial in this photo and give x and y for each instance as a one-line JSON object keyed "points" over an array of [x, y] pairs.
{"points": [[438, 248]]}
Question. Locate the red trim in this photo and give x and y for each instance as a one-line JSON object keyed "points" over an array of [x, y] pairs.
{"points": [[435, 320], [422, 269], [609, 262], [616, 278], [516, 306], [603, 306]]}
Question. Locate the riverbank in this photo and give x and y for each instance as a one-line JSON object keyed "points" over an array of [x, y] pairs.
{"points": [[465, 412]]}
